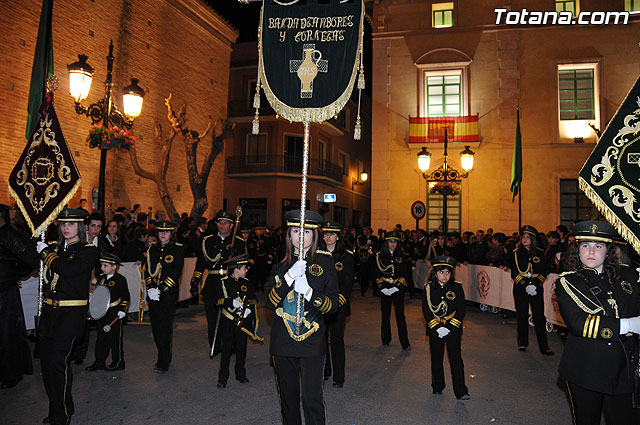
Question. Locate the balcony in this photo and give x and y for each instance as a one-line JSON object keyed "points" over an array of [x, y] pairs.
{"points": [[242, 108], [282, 164]]}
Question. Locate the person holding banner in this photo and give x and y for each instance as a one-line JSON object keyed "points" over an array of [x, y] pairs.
{"points": [[529, 270], [599, 301], [298, 355], [165, 260], [67, 271], [391, 272]]}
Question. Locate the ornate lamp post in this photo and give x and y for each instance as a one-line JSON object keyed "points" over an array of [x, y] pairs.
{"points": [[105, 109], [445, 173]]}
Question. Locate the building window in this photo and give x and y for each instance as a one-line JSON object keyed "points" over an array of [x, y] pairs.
{"points": [[343, 162], [575, 90], [574, 205], [293, 150], [257, 149], [322, 154], [632, 6], [442, 15], [339, 214], [566, 6], [434, 210], [443, 95]]}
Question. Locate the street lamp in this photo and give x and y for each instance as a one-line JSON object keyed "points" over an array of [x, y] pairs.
{"points": [[105, 109], [445, 173], [364, 176]]}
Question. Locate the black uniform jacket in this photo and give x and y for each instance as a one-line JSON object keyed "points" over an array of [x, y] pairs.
{"points": [[345, 269], [365, 246], [164, 267], [391, 270], [322, 277], [528, 267], [120, 297], [17, 257], [67, 272], [241, 290], [443, 306], [594, 356], [216, 251]]}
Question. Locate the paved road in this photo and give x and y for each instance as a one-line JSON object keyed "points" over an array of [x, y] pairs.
{"points": [[384, 385]]}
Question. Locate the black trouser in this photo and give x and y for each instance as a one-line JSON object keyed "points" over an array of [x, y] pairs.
{"points": [[587, 407], [55, 359], [263, 268], [398, 304], [81, 345], [335, 345], [436, 345], [212, 311], [363, 277], [522, 301], [233, 340], [109, 342], [291, 372], [161, 314], [15, 354]]}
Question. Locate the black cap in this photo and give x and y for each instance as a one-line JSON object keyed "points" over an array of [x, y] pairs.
{"points": [[392, 235], [165, 225], [225, 215], [72, 214], [109, 257], [597, 231], [331, 226], [311, 219], [237, 261], [260, 227], [444, 261], [530, 230]]}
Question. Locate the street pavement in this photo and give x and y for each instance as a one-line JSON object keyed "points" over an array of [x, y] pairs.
{"points": [[384, 385]]}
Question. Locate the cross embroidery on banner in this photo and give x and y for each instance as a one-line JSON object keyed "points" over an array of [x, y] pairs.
{"points": [[307, 68]]}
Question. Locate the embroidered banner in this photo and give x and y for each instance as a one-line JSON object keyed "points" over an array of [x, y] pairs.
{"points": [[611, 175], [309, 56]]}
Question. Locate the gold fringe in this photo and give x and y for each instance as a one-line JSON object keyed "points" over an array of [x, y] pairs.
{"points": [[611, 217], [52, 216], [308, 114]]}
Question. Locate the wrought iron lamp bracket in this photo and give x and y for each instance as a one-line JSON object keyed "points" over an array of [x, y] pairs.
{"points": [[96, 112], [443, 173]]}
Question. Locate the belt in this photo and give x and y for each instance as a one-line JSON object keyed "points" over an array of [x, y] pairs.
{"points": [[218, 271], [65, 303], [115, 303]]}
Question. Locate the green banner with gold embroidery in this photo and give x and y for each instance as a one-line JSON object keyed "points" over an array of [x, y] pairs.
{"points": [[611, 175]]}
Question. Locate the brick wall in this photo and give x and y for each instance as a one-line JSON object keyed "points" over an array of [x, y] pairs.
{"points": [[172, 46]]}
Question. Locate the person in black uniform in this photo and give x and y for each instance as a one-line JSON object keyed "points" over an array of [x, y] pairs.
{"points": [[110, 340], [298, 354], [345, 268], [599, 301], [366, 244], [238, 302], [529, 270], [66, 274], [265, 254], [165, 259], [391, 275], [17, 259], [216, 249], [443, 307]]}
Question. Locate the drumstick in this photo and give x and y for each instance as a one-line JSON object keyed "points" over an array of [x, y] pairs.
{"points": [[107, 328]]}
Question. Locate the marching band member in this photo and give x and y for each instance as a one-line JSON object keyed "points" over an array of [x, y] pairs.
{"points": [[391, 273], [298, 358], [111, 339], [599, 301], [344, 264], [238, 302], [165, 259], [66, 275], [443, 307]]}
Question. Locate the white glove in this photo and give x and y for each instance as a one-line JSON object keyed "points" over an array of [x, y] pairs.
{"points": [[393, 291], [385, 291], [531, 290], [154, 294], [298, 269], [236, 304], [121, 314], [247, 311], [631, 324], [442, 331], [40, 246], [302, 286]]}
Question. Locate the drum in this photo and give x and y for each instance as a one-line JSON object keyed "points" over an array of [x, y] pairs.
{"points": [[99, 302]]}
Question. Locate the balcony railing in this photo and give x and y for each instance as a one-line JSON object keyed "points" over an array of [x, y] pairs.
{"points": [[241, 108], [282, 164]]}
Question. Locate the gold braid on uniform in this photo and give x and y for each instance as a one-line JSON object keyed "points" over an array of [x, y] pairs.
{"points": [[384, 269], [158, 269], [215, 259], [522, 274], [569, 288]]}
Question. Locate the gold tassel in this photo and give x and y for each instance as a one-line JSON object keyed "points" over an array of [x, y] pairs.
{"points": [[356, 131], [256, 100], [361, 80], [255, 125]]}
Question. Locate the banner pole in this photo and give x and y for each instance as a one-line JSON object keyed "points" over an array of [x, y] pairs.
{"points": [[303, 205]]}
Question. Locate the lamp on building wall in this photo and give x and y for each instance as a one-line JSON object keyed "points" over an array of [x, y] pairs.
{"points": [[446, 175], [363, 177], [105, 109]]}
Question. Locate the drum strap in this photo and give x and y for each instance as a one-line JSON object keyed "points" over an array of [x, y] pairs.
{"points": [[65, 303]]}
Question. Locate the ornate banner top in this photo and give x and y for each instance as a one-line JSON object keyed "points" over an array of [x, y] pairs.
{"points": [[309, 56], [611, 175]]}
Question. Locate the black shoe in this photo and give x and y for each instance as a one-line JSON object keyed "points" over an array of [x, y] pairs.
{"points": [[160, 369], [94, 367], [522, 348], [407, 348], [385, 345], [45, 420], [547, 352], [437, 391], [78, 362], [115, 366], [326, 377], [338, 384], [464, 397], [10, 384], [222, 384], [243, 380]]}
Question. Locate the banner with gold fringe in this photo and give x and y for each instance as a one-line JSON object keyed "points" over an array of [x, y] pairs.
{"points": [[611, 175]]}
